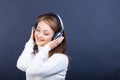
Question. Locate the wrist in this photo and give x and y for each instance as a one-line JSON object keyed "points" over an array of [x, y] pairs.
{"points": [[47, 47]]}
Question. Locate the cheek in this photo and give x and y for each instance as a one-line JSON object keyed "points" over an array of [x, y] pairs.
{"points": [[48, 38], [35, 35]]}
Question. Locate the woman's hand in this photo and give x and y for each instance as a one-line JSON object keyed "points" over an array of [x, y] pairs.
{"points": [[32, 33], [55, 43]]}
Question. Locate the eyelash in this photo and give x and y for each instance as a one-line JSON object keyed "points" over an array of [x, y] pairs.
{"points": [[46, 34]]}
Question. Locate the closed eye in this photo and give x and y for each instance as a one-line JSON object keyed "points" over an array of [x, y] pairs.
{"points": [[46, 34]]}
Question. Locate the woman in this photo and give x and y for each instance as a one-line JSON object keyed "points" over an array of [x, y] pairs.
{"points": [[44, 56]]}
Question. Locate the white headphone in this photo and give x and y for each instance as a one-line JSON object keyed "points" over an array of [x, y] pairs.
{"points": [[61, 26]]}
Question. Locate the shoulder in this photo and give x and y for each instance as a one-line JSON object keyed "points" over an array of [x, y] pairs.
{"points": [[60, 56]]}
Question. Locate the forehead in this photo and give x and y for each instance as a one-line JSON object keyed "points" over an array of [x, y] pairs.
{"points": [[44, 26]]}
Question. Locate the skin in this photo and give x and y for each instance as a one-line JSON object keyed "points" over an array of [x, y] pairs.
{"points": [[43, 35]]}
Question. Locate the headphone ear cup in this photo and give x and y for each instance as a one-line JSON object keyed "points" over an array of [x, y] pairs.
{"points": [[57, 34]]}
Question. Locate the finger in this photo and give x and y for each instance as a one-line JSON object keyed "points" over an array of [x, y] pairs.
{"points": [[33, 29], [55, 40], [32, 32], [59, 40]]}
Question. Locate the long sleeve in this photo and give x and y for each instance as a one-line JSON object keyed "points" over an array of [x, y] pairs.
{"points": [[55, 64], [40, 58], [26, 56]]}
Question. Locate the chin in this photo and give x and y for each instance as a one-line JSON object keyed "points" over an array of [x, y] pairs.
{"points": [[40, 44]]}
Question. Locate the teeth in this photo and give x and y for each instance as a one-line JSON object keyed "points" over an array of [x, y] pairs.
{"points": [[40, 39]]}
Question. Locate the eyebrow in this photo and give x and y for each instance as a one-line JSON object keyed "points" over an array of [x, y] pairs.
{"points": [[46, 31], [38, 27]]}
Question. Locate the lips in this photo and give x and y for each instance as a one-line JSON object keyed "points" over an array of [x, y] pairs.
{"points": [[39, 39]]}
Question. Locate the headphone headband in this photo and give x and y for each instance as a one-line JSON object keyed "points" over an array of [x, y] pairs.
{"points": [[59, 20], [61, 23], [61, 26]]}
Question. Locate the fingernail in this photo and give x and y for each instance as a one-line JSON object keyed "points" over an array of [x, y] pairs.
{"points": [[62, 37], [33, 28]]}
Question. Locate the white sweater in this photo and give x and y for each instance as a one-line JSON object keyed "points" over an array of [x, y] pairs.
{"points": [[39, 66]]}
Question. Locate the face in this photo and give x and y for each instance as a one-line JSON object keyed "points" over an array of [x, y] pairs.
{"points": [[43, 33]]}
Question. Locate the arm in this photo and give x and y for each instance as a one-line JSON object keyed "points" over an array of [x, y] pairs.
{"points": [[26, 56], [55, 64], [39, 59]]}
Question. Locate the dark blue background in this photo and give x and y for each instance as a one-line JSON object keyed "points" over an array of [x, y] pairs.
{"points": [[93, 35]]}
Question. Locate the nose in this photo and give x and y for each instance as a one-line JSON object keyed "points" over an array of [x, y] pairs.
{"points": [[40, 34]]}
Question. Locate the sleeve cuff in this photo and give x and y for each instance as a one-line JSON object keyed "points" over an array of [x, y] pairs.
{"points": [[47, 47], [30, 43]]}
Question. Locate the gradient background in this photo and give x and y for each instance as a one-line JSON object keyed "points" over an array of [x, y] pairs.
{"points": [[93, 35]]}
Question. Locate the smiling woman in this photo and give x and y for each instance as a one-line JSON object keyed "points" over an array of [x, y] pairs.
{"points": [[43, 33], [44, 56]]}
